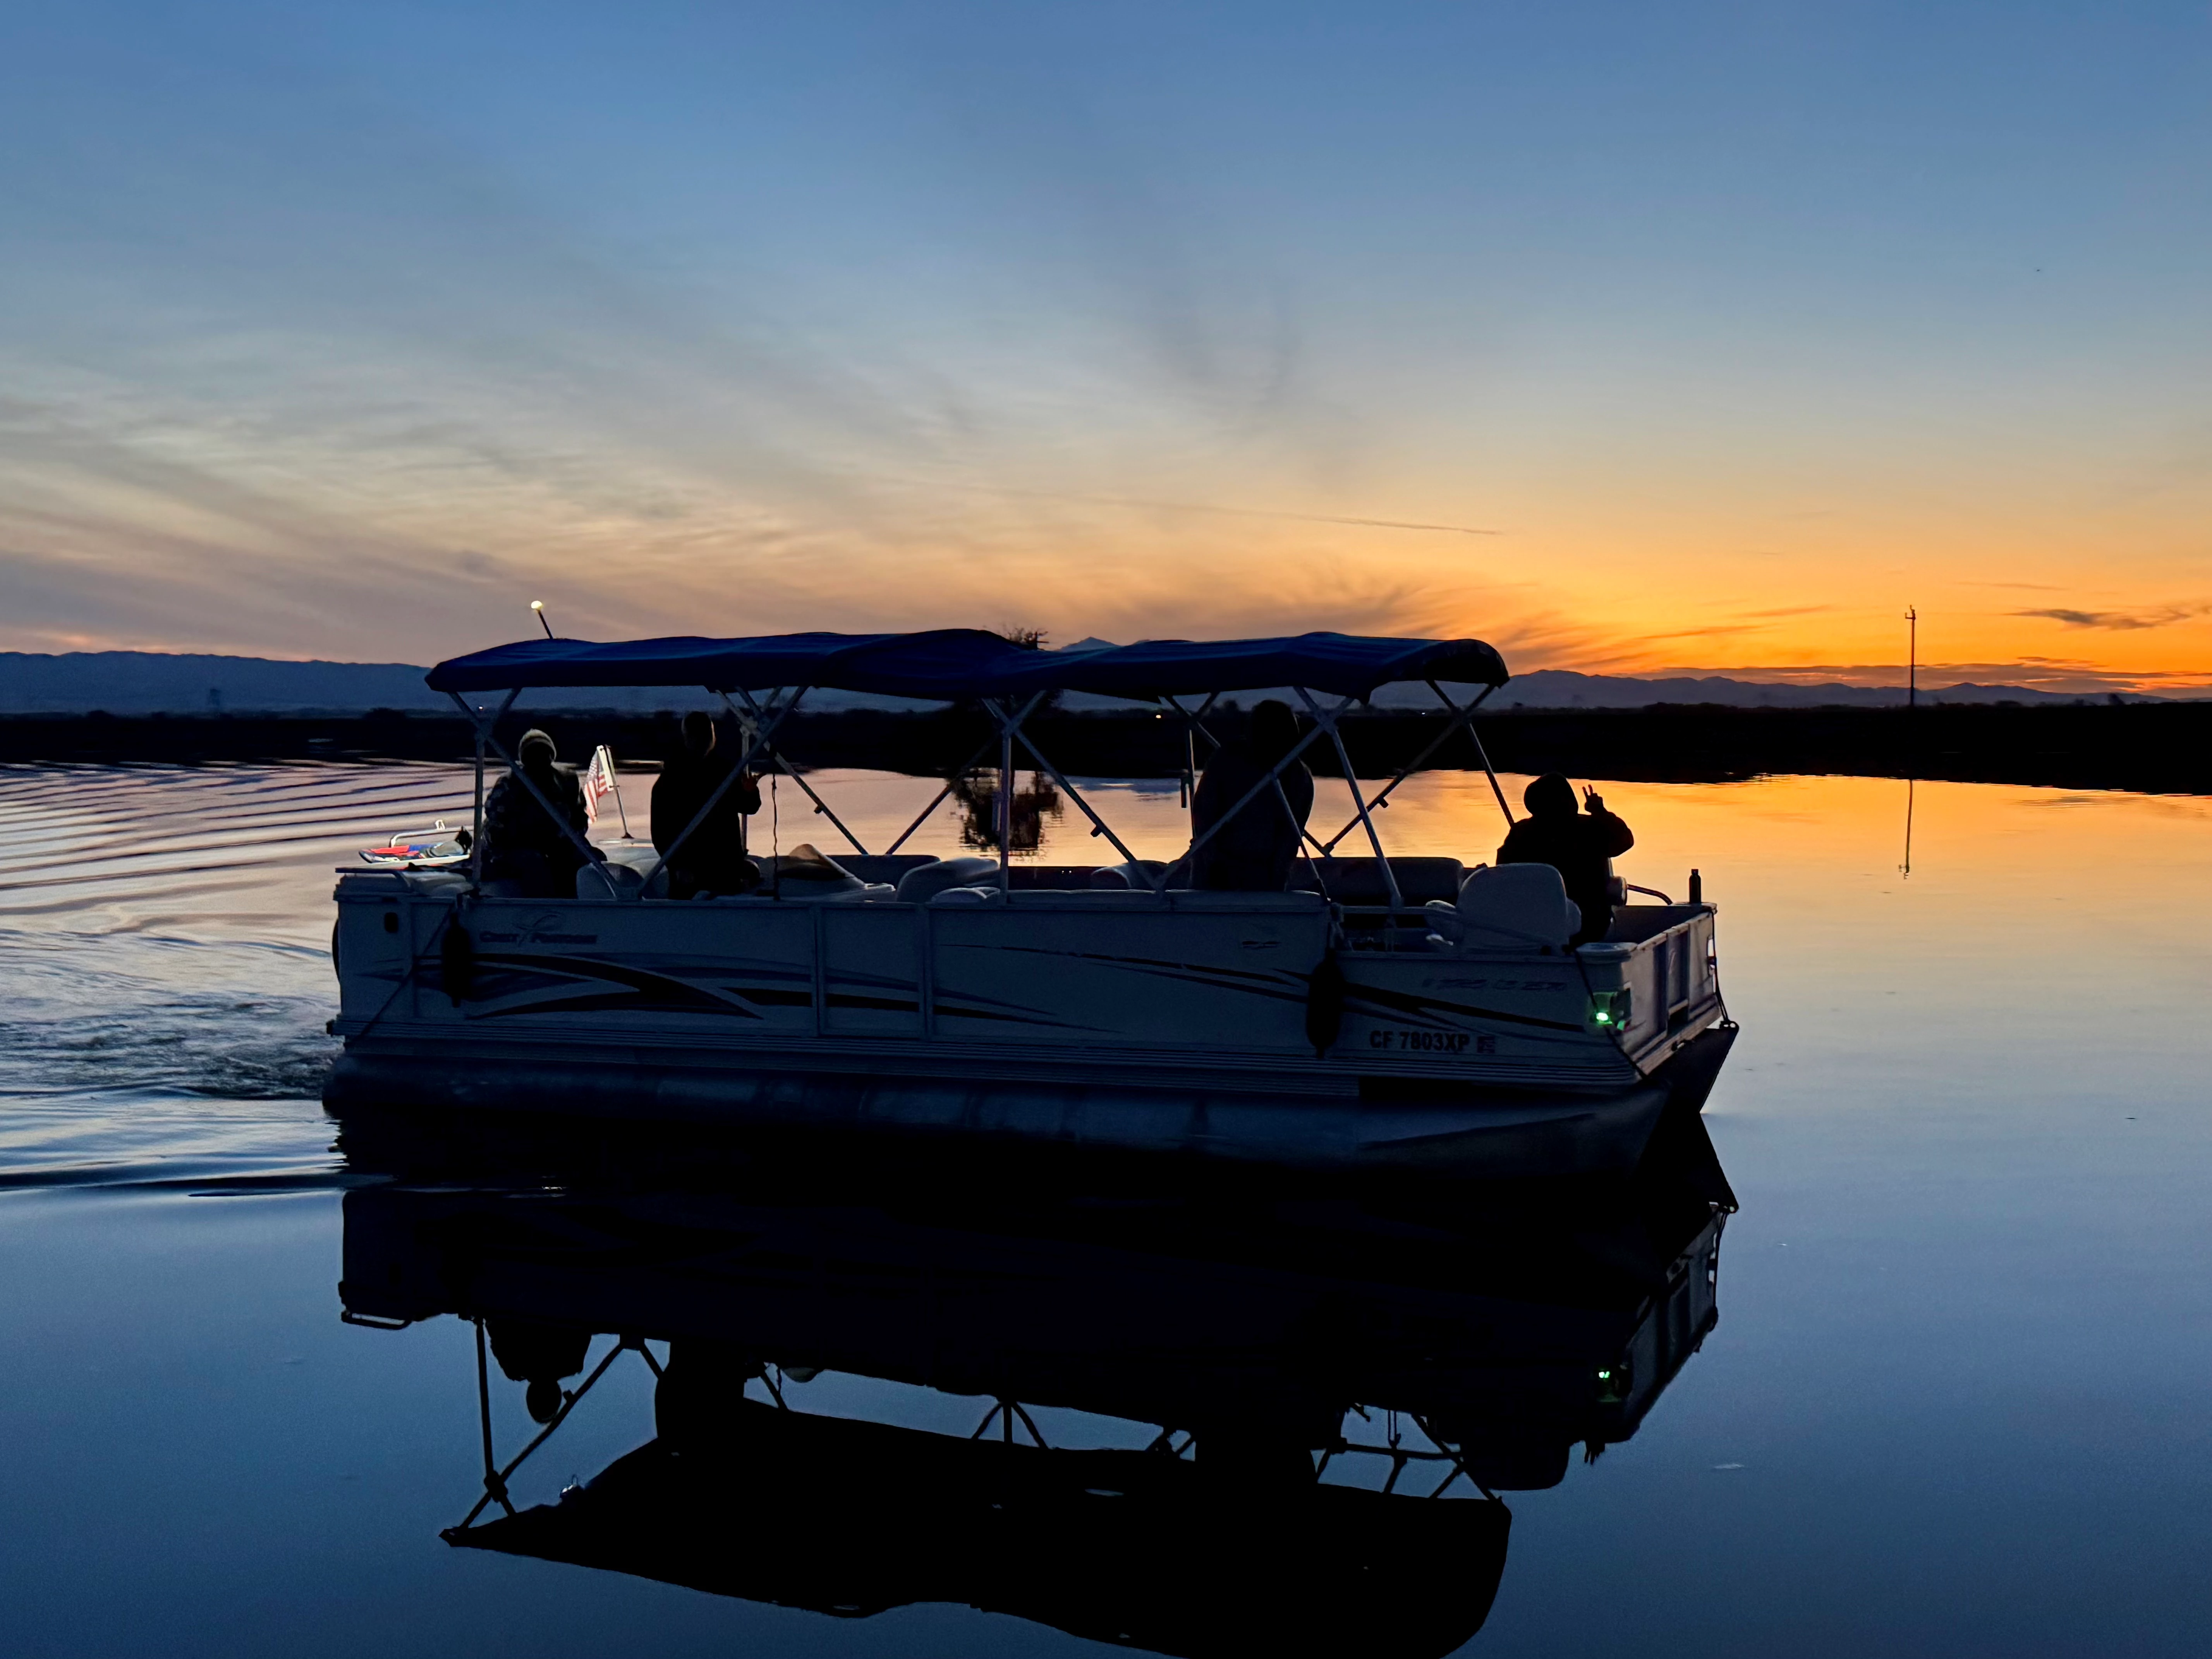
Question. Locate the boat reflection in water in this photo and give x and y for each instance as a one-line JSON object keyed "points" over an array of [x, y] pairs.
{"points": [[1334, 1384]]}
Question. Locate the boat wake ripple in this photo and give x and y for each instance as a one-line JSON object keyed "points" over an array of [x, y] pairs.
{"points": [[165, 931]]}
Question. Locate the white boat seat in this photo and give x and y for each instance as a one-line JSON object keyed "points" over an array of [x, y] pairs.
{"points": [[926, 881], [811, 892], [952, 896], [1511, 907], [612, 881], [1141, 874], [805, 874], [885, 867]]}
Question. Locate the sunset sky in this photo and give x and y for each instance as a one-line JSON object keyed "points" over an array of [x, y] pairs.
{"points": [[1629, 337]]}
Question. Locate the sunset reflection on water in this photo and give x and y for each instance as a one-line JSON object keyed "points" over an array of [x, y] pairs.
{"points": [[1952, 1403]]}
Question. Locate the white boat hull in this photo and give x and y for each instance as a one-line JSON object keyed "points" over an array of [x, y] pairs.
{"points": [[1242, 1026]]}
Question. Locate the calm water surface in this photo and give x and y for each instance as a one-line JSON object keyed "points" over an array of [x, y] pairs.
{"points": [[1955, 1401]]}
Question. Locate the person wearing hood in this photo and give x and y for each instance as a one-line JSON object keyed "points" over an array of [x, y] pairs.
{"points": [[1580, 846], [712, 859], [523, 843], [1254, 851]]}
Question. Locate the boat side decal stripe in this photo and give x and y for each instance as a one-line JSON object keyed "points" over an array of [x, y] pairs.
{"points": [[657, 990], [1403, 1002]]}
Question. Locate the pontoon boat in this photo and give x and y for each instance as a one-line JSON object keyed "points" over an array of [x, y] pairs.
{"points": [[1424, 1012]]}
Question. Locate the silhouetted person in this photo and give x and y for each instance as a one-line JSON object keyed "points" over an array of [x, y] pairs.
{"points": [[1256, 849], [712, 860], [523, 842], [540, 1355], [1575, 844]]}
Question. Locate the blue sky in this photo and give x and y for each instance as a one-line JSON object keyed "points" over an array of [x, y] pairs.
{"points": [[345, 332]]}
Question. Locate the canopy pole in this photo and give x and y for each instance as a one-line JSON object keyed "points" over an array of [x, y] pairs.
{"points": [[515, 770], [1006, 804], [1481, 753], [779, 763], [1075, 795], [484, 1410], [1460, 717], [1344, 758], [941, 794], [1190, 733], [1007, 728], [475, 834]]}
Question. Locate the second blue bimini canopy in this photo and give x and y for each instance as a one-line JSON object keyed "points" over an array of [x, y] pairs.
{"points": [[951, 664]]}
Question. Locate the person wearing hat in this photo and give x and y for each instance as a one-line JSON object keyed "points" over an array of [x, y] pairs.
{"points": [[1580, 846], [522, 843]]}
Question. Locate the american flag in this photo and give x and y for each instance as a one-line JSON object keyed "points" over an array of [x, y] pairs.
{"points": [[599, 782]]}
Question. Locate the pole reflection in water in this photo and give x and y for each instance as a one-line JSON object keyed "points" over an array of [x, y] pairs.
{"points": [[1905, 868], [1320, 1390]]}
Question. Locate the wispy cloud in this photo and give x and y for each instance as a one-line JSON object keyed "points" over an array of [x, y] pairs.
{"points": [[1787, 610], [1138, 504], [2118, 621]]}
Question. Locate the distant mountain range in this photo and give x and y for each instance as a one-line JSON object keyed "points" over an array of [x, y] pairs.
{"points": [[152, 682], [1562, 688], [146, 682]]}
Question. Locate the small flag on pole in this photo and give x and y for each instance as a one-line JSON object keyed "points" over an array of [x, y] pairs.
{"points": [[599, 782]]}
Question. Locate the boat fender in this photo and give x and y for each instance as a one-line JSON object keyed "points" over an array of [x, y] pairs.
{"points": [[457, 961], [1324, 1004]]}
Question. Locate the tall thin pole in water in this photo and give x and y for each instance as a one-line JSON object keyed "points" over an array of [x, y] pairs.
{"points": [[1913, 657]]}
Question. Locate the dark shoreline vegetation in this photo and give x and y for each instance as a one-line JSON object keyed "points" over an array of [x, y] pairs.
{"points": [[2155, 748]]}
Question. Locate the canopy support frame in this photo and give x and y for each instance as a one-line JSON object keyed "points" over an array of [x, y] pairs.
{"points": [[475, 843], [778, 763], [1196, 723], [496, 1477], [1010, 727], [516, 770], [922, 818], [1460, 718], [1059, 781], [1359, 803], [1273, 779]]}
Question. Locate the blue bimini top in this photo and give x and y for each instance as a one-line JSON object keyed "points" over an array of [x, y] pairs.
{"points": [[1349, 665], [952, 664]]}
